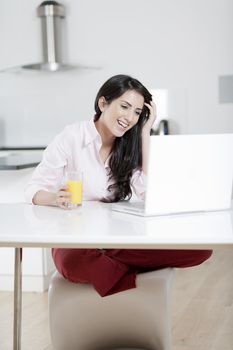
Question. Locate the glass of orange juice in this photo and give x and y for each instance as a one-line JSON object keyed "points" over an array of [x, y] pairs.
{"points": [[74, 183]]}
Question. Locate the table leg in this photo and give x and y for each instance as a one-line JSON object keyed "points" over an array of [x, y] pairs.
{"points": [[17, 299]]}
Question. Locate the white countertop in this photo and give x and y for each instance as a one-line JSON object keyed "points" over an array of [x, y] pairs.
{"points": [[96, 226]]}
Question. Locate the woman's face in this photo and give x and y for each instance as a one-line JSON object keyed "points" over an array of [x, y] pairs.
{"points": [[121, 114]]}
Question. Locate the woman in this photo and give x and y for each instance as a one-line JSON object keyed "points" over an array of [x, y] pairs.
{"points": [[113, 146]]}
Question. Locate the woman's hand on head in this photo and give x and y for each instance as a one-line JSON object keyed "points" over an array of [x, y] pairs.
{"points": [[152, 116], [146, 134], [62, 198]]}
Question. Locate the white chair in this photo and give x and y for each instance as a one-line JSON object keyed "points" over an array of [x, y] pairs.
{"points": [[80, 319]]}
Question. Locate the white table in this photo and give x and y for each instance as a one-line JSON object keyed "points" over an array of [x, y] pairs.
{"points": [[96, 226]]}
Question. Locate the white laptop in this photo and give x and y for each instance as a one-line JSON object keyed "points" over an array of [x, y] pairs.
{"points": [[186, 173]]}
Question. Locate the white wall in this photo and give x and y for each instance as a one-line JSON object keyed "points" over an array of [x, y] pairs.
{"points": [[178, 45]]}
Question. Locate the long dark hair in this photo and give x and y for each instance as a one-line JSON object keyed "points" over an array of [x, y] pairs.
{"points": [[126, 152]]}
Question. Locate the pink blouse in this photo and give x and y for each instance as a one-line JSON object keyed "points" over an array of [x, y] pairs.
{"points": [[77, 148]]}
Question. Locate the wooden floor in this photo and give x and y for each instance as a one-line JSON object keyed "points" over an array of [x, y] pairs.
{"points": [[202, 310]]}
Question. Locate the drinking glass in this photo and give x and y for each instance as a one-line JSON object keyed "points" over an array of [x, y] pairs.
{"points": [[74, 183]]}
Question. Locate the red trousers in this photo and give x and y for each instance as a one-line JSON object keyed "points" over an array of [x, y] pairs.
{"points": [[114, 270]]}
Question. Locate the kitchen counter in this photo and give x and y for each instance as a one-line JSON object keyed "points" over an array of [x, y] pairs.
{"points": [[19, 158], [16, 169]]}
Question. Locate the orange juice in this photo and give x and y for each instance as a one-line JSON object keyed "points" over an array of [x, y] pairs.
{"points": [[76, 190]]}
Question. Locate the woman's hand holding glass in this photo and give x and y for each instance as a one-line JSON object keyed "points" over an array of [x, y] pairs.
{"points": [[62, 198]]}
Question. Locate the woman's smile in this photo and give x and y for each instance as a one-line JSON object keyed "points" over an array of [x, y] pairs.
{"points": [[123, 125]]}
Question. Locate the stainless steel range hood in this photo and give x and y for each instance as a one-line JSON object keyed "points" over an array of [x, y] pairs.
{"points": [[51, 14]]}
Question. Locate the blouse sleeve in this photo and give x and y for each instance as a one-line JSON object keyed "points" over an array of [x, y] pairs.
{"points": [[138, 183], [48, 174]]}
